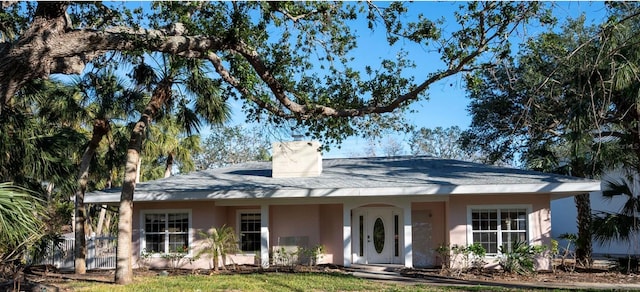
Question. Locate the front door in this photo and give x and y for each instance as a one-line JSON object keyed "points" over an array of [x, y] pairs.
{"points": [[377, 235]]}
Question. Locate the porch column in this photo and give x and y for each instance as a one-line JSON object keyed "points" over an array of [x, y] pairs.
{"points": [[264, 235], [346, 234], [408, 241]]}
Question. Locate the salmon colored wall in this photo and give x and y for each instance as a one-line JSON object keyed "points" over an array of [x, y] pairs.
{"points": [[540, 219], [294, 220], [331, 233], [321, 223], [204, 215]]}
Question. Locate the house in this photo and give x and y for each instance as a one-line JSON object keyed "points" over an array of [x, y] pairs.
{"points": [[393, 210], [564, 221]]}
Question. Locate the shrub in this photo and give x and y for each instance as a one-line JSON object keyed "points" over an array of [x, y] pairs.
{"points": [[178, 258], [313, 255], [478, 253], [521, 258], [444, 254], [460, 258]]}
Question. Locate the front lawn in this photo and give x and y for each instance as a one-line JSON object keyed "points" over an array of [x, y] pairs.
{"points": [[260, 282]]}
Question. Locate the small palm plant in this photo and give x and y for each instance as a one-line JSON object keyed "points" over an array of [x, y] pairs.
{"points": [[219, 242]]}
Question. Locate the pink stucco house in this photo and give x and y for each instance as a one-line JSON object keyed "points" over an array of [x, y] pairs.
{"points": [[393, 210]]}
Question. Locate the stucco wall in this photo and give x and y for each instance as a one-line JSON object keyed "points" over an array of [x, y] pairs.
{"points": [[204, 215], [539, 219], [288, 221], [331, 233], [318, 224]]}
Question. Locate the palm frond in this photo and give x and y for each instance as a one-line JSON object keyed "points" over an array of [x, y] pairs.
{"points": [[20, 216], [608, 227], [187, 118], [616, 183]]}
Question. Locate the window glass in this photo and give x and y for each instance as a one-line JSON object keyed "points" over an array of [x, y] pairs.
{"points": [[166, 232], [250, 232], [493, 228]]}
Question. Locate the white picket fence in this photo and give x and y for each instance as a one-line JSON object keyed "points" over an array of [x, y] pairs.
{"points": [[101, 254]]}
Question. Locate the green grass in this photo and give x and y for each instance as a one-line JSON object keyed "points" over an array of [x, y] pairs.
{"points": [[267, 282], [262, 282]]}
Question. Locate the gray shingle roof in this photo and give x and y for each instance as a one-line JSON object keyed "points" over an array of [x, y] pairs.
{"points": [[354, 177]]}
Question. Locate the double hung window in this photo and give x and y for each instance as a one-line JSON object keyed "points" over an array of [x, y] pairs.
{"points": [[166, 232], [496, 227], [250, 231]]}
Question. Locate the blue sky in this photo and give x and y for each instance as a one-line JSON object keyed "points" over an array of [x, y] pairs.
{"points": [[447, 103]]}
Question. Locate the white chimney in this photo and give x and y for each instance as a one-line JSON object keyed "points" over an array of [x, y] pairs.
{"points": [[296, 159]]}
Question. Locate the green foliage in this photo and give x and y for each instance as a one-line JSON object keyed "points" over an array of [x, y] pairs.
{"points": [[20, 219], [21, 228], [623, 225], [219, 242], [520, 258], [478, 253], [565, 104], [460, 258], [39, 148], [178, 258], [444, 254], [312, 255]]}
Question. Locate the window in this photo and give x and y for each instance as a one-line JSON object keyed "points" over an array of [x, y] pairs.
{"points": [[495, 227], [166, 232], [250, 231]]}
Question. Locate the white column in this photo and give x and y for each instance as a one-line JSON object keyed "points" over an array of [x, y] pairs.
{"points": [[264, 235], [346, 234], [408, 241]]}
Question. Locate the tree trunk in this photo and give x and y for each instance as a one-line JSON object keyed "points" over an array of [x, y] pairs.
{"points": [[167, 170], [583, 244], [124, 269], [100, 129], [139, 169]]}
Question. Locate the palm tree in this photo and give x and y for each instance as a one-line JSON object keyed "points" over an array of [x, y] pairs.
{"points": [[167, 146], [38, 139], [219, 242], [105, 97], [190, 77]]}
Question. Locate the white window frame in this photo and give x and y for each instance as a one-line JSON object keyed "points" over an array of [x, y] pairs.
{"points": [[529, 222], [143, 239], [239, 214]]}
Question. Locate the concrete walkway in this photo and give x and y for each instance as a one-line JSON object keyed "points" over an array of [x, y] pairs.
{"points": [[389, 274]]}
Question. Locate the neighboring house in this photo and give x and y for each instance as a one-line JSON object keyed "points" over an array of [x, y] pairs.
{"points": [[565, 216], [393, 210]]}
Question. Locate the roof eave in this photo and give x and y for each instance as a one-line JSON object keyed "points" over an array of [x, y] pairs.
{"points": [[557, 190]]}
